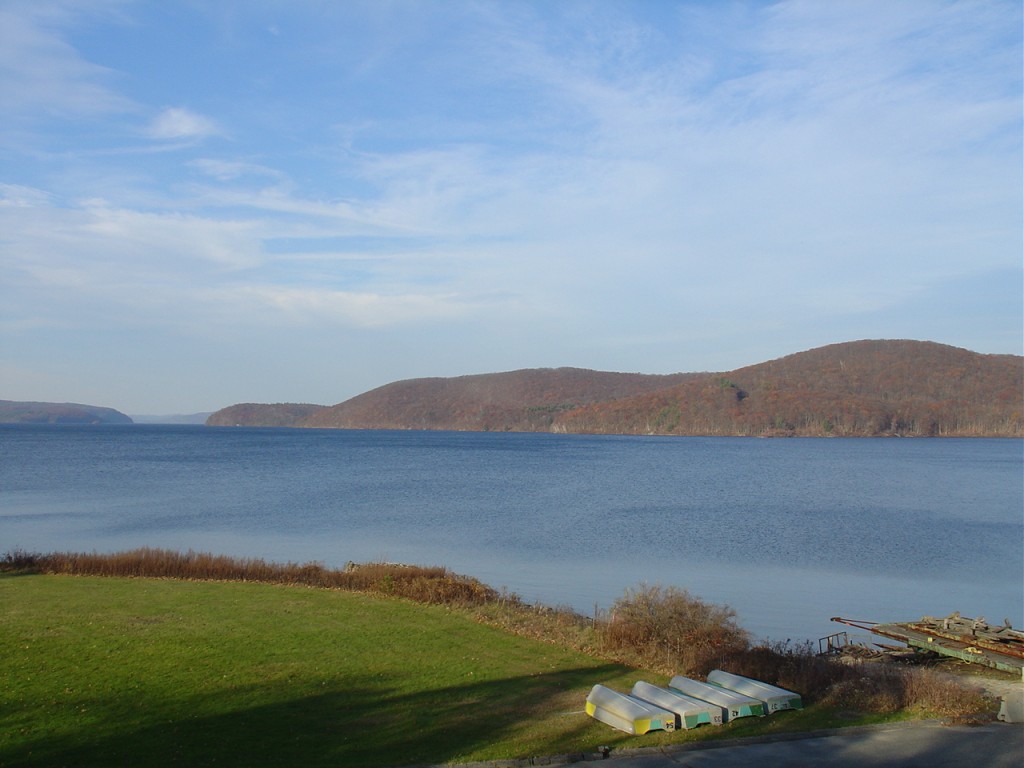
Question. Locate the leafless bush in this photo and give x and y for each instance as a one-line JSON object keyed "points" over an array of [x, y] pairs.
{"points": [[889, 688], [873, 691], [19, 561], [667, 626], [940, 693]]}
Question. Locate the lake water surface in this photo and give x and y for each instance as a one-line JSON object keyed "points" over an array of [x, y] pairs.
{"points": [[787, 532]]}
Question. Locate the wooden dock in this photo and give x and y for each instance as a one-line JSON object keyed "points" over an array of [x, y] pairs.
{"points": [[972, 640]]}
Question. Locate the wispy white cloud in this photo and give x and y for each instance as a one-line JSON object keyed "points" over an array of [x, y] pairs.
{"points": [[92, 253], [181, 123], [230, 170], [311, 306], [42, 74], [176, 268], [18, 196]]}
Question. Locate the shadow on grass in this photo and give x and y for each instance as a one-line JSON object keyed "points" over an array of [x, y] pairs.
{"points": [[365, 725]]}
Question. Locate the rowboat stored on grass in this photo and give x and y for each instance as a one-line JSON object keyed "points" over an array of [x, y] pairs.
{"points": [[690, 712], [775, 699], [627, 713], [734, 704]]}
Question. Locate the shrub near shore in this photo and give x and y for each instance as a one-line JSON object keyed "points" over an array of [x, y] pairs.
{"points": [[663, 629]]}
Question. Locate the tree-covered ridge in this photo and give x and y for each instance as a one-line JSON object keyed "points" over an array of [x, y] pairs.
{"points": [[263, 415], [861, 388], [526, 400], [15, 412]]}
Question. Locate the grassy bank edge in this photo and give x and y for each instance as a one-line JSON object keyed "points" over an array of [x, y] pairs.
{"points": [[838, 695]]}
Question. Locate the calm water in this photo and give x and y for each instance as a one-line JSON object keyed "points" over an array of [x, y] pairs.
{"points": [[787, 532]]}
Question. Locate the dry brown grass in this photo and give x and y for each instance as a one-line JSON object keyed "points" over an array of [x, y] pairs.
{"points": [[434, 585], [889, 688], [882, 688], [793, 666]]}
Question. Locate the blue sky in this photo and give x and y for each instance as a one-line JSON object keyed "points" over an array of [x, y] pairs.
{"points": [[218, 201]]}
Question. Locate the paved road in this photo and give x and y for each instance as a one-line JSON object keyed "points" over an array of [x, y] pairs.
{"points": [[904, 745]]}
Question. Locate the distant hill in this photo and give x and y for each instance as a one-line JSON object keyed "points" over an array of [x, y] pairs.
{"points": [[861, 388], [261, 415], [177, 418], [526, 400], [14, 412]]}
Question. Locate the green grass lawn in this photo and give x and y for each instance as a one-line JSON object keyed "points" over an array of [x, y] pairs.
{"points": [[113, 671], [102, 671]]}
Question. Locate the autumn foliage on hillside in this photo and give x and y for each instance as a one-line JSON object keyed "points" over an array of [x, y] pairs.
{"points": [[526, 400], [16, 412], [261, 415], [861, 388]]}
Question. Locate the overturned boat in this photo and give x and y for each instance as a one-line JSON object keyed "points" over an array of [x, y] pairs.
{"points": [[734, 705], [775, 699], [689, 712], [627, 713]]}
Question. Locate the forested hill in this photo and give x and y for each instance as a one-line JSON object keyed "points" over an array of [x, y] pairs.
{"points": [[527, 400], [263, 415], [861, 388], [16, 412]]}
